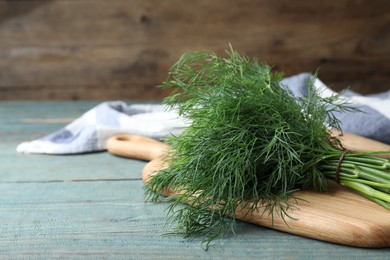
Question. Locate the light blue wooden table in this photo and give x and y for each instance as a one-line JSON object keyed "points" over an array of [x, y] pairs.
{"points": [[92, 205]]}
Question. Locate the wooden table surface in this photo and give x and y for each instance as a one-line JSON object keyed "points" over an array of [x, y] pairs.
{"points": [[92, 205]]}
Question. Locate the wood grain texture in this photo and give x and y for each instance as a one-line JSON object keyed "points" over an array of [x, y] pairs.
{"points": [[93, 207], [338, 216], [97, 49]]}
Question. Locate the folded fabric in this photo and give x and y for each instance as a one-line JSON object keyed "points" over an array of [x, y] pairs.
{"points": [[372, 122], [90, 132]]}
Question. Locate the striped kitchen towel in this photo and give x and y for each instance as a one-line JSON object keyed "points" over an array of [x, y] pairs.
{"points": [[91, 130]]}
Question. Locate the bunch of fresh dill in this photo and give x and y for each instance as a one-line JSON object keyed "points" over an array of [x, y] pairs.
{"points": [[251, 140]]}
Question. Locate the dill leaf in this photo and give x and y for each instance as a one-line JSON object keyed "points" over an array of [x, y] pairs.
{"points": [[250, 140]]}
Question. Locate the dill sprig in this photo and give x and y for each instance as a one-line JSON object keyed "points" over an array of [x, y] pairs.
{"points": [[251, 140]]}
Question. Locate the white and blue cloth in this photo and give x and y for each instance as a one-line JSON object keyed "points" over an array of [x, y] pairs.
{"points": [[91, 130]]}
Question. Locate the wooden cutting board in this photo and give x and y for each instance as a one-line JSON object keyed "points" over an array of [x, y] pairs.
{"points": [[339, 216]]}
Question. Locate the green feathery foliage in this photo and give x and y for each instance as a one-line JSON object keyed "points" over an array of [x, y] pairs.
{"points": [[250, 140]]}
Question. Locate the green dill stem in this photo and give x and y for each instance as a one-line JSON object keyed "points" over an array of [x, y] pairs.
{"points": [[367, 190], [361, 161], [383, 186], [368, 175], [359, 172]]}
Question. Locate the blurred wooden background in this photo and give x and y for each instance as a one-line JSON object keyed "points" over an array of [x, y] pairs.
{"points": [[122, 49]]}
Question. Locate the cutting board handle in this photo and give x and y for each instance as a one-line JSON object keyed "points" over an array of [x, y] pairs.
{"points": [[136, 146]]}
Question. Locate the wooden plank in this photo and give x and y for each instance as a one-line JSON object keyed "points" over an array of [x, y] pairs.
{"points": [[97, 49], [46, 213], [72, 168], [13, 127], [110, 219]]}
